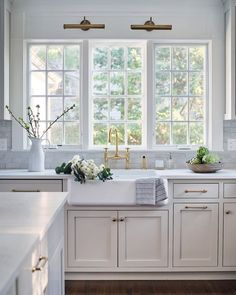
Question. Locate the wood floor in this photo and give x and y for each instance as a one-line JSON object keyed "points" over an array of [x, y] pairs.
{"points": [[150, 287]]}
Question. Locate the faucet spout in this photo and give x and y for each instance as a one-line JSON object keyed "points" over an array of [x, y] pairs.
{"points": [[117, 141], [116, 156]]}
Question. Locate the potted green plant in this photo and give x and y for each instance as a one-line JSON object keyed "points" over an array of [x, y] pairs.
{"points": [[204, 161]]}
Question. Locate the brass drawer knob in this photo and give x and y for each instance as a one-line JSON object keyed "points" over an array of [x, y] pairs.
{"points": [[114, 219], [227, 212], [122, 219]]}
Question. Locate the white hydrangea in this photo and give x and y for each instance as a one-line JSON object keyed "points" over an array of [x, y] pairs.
{"points": [[87, 167], [76, 159]]}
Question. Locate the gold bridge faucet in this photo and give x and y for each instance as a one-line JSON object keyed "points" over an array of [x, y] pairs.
{"points": [[116, 156]]}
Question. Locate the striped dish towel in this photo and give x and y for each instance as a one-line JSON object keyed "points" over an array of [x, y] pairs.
{"points": [[150, 191]]}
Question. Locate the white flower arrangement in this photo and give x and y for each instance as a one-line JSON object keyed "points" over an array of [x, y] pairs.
{"points": [[85, 170]]}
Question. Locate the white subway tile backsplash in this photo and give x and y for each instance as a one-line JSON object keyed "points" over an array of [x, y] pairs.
{"points": [[19, 159]]}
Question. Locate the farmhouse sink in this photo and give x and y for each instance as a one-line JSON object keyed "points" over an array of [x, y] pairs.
{"points": [[119, 191], [133, 173]]}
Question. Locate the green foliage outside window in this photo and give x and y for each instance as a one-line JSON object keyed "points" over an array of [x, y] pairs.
{"points": [[180, 94], [117, 93]]}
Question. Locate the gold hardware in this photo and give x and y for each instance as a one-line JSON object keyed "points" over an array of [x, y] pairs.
{"points": [[40, 264], [25, 191], [114, 219], [195, 191], [122, 219], [117, 141], [150, 26], [195, 207], [84, 25], [227, 212], [116, 156]]}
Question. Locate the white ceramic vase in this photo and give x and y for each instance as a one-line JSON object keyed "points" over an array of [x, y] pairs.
{"points": [[36, 155]]}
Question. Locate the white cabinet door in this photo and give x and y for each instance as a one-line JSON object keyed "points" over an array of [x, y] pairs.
{"points": [[143, 237], [92, 239], [229, 240], [56, 271], [30, 283], [195, 234], [52, 245]]}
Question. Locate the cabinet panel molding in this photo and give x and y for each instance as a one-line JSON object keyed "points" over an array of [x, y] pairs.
{"points": [[143, 238], [229, 238], [92, 239], [195, 234]]}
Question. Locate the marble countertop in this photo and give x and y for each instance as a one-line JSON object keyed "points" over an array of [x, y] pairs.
{"points": [[187, 174], [168, 174], [30, 213], [24, 218], [23, 173]]}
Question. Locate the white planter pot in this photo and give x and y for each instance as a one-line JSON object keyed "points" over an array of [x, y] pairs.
{"points": [[36, 155]]}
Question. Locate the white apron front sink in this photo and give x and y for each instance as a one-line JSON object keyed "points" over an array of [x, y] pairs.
{"points": [[119, 191]]}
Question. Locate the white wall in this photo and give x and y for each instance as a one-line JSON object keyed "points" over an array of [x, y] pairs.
{"points": [[191, 19]]}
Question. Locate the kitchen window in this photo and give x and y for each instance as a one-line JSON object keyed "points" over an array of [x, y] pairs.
{"points": [[180, 94], [117, 92], [54, 84], [154, 94]]}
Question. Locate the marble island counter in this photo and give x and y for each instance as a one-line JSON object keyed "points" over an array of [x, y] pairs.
{"points": [[25, 220], [30, 213]]}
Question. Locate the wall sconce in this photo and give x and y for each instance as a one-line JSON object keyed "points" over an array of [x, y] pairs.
{"points": [[150, 26], [85, 25]]}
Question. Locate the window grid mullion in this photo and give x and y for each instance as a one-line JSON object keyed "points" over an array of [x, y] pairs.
{"points": [[171, 98], [188, 71], [46, 88], [124, 71], [109, 87], [46, 95], [126, 92], [188, 125]]}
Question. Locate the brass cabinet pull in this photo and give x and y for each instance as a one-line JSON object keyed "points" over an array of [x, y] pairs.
{"points": [[227, 212], [40, 264], [122, 219], [195, 207], [195, 191], [114, 219], [25, 191]]}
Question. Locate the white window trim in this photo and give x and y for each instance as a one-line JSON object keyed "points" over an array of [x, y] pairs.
{"points": [[144, 81], [19, 95], [188, 43], [63, 43]]}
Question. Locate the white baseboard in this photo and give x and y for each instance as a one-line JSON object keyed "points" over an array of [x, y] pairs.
{"points": [[152, 276]]}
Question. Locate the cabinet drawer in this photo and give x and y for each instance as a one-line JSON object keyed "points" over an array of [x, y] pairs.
{"points": [[14, 185], [196, 190], [229, 190]]}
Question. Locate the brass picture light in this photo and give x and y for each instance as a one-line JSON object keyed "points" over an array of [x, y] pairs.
{"points": [[150, 26], [84, 25]]}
